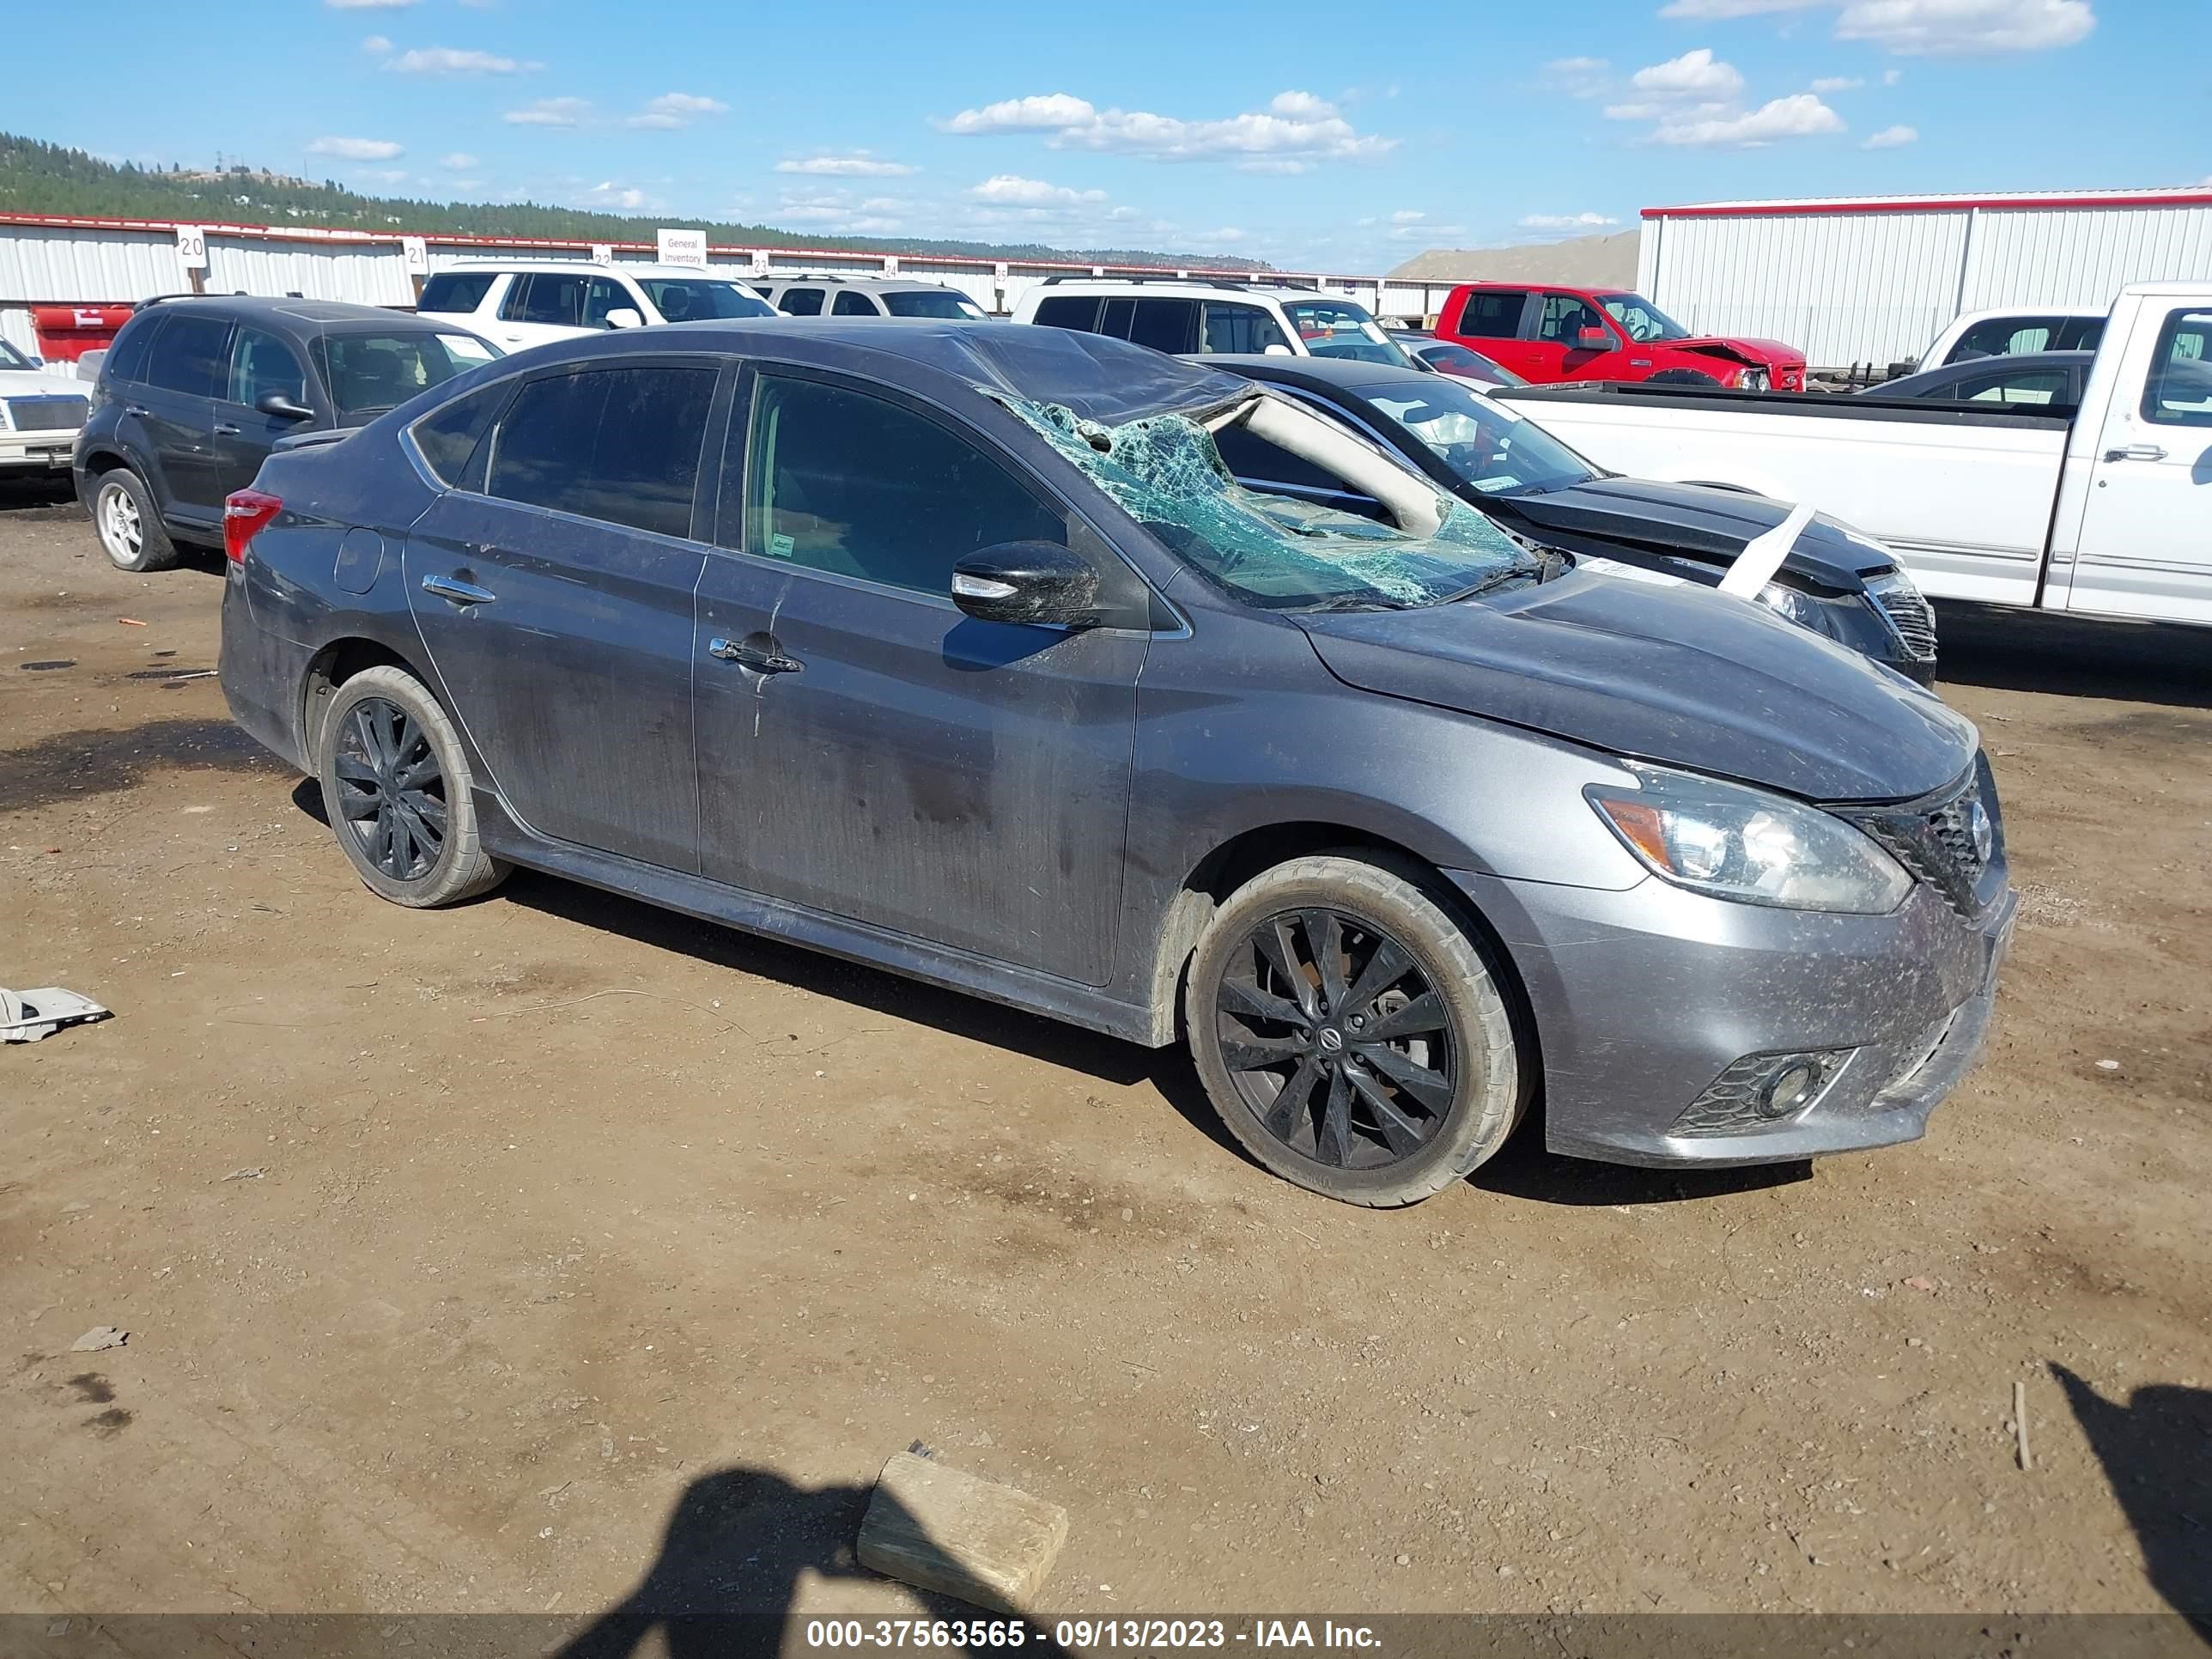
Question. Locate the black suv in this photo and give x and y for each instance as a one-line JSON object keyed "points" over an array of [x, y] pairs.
{"points": [[195, 391]]}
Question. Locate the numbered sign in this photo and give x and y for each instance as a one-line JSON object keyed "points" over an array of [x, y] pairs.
{"points": [[682, 247], [603, 254], [192, 247], [415, 253], [890, 265], [1003, 271], [760, 262]]}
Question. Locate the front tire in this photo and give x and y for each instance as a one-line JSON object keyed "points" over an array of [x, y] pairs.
{"points": [[396, 785], [130, 530], [1349, 1032]]}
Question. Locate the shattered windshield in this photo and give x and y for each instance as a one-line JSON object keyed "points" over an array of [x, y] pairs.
{"points": [[1274, 551]]}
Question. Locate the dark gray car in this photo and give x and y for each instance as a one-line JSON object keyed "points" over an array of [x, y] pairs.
{"points": [[2039, 379], [955, 650]]}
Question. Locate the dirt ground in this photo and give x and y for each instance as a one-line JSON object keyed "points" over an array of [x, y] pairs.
{"points": [[462, 1253]]}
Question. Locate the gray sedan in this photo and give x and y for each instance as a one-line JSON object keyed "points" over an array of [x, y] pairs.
{"points": [[956, 650]]}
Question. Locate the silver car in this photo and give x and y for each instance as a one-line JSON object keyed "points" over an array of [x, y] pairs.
{"points": [[957, 650]]}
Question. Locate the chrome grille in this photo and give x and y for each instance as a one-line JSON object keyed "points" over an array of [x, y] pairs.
{"points": [[1909, 613], [59, 413], [1935, 841]]}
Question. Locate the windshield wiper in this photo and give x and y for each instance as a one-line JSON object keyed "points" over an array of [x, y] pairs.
{"points": [[1352, 602], [1497, 579]]}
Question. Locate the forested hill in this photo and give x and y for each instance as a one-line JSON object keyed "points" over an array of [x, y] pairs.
{"points": [[47, 178]]}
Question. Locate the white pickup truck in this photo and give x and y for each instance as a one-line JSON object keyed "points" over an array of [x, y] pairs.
{"points": [[2105, 510]]}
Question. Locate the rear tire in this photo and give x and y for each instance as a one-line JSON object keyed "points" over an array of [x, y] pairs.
{"points": [[1349, 1032], [130, 530], [396, 787]]}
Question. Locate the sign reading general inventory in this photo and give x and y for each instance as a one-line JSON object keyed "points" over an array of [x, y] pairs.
{"points": [[192, 247], [684, 247]]}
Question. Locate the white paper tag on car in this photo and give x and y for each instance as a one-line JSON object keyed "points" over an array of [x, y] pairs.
{"points": [[1634, 573]]}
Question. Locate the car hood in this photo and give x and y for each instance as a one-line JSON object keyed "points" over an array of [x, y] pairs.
{"points": [[1688, 521], [1680, 676], [37, 383], [1773, 352]]}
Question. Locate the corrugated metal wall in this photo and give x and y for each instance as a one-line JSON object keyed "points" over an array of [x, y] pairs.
{"points": [[1877, 285]]}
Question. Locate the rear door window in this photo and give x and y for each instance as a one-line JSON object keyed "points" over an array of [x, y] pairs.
{"points": [[2001, 337], [456, 290], [1494, 313], [191, 355], [2040, 386], [618, 444], [605, 294], [261, 363], [1240, 328], [802, 303], [859, 486], [1166, 324], [126, 358], [1076, 311], [2179, 391], [852, 303], [555, 300], [2081, 334]]}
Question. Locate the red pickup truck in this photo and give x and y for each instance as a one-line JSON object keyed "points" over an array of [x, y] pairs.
{"points": [[1547, 334]]}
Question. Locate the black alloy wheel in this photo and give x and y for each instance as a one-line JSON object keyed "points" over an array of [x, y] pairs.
{"points": [[392, 789], [1331, 1034]]}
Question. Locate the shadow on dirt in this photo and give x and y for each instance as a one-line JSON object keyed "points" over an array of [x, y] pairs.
{"points": [[2157, 1452], [2073, 656], [78, 765], [728, 1570]]}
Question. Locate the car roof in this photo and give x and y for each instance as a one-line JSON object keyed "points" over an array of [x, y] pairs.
{"points": [[839, 279], [1334, 373], [1183, 287], [1997, 312], [1968, 367], [312, 315], [1099, 378], [565, 267]]}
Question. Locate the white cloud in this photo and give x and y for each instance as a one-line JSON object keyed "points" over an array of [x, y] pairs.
{"points": [[376, 46], [1803, 116], [676, 109], [1578, 77], [1890, 77], [1420, 227], [837, 213], [1838, 84], [1009, 190], [368, 5], [1406, 216], [1295, 124], [549, 113], [357, 150], [858, 164], [1892, 139], [448, 60], [1693, 74], [385, 175], [460, 162], [1566, 221], [1927, 28]]}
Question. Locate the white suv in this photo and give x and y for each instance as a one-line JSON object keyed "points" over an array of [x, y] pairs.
{"points": [[867, 296], [1182, 317], [523, 304]]}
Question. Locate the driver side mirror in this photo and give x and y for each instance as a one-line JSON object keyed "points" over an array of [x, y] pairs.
{"points": [[625, 317], [1594, 339], [277, 405], [1035, 583]]}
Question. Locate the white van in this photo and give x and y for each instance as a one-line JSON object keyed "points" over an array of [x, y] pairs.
{"points": [[520, 304], [1182, 316]]}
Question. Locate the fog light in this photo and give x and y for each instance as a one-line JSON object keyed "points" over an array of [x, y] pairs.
{"points": [[1761, 1089], [1792, 1092]]}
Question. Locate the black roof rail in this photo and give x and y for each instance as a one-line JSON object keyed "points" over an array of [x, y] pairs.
{"points": [[1167, 276]]}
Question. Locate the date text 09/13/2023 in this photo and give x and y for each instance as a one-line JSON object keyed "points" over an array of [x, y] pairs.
{"points": [[1128, 1635]]}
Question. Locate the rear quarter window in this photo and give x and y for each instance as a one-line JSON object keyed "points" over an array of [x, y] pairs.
{"points": [[1075, 311], [456, 290], [126, 358], [1493, 315], [448, 438]]}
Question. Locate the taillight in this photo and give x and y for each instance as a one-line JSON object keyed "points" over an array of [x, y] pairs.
{"points": [[245, 511]]}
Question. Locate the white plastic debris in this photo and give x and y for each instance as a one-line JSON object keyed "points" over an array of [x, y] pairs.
{"points": [[26, 1016]]}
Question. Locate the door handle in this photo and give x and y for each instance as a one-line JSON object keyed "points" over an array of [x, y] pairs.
{"points": [[225, 430], [2136, 453], [133, 409], [760, 660], [458, 592]]}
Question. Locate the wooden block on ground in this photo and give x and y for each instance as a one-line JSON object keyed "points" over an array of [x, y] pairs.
{"points": [[955, 1534]]}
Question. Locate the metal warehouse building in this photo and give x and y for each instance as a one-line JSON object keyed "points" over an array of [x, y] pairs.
{"points": [[1873, 279]]}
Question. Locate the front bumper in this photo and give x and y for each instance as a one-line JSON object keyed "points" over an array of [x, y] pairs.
{"points": [[1642, 998], [49, 451]]}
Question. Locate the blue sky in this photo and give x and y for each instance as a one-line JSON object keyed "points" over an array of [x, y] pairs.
{"points": [[1311, 136]]}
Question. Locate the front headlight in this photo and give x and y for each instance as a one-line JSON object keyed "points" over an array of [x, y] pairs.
{"points": [[1744, 844], [1754, 379], [1797, 604]]}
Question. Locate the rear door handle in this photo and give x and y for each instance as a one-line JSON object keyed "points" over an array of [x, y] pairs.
{"points": [[133, 409], [226, 430], [2136, 453], [458, 592], [768, 661]]}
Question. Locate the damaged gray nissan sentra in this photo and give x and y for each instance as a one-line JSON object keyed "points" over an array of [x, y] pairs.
{"points": [[954, 649]]}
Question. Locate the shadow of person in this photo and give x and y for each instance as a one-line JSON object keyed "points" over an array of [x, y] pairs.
{"points": [[727, 1573], [2157, 1453]]}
